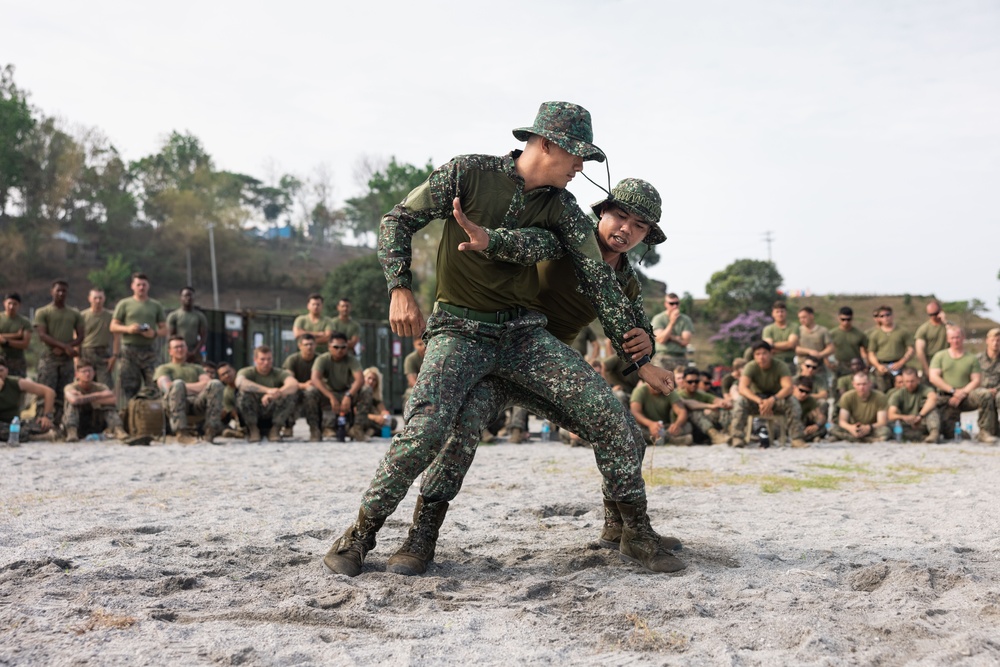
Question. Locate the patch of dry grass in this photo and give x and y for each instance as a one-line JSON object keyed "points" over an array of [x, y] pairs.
{"points": [[102, 620]]}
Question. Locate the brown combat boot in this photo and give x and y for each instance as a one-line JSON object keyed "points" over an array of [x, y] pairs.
{"points": [[718, 437], [253, 433], [516, 436], [933, 437], [347, 554], [611, 535], [640, 543], [418, 549]]}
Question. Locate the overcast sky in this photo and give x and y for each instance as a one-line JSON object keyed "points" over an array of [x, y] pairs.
{"points": [[863, 134]]}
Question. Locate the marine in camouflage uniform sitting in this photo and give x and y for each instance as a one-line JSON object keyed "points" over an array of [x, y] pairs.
{"points": [[90, 406], [266, 394], [915, 407], [766, 389], [957, 376], [308, 399], [12, 388], [482, 325], [189, 390], [863, 414], [708, 414]]}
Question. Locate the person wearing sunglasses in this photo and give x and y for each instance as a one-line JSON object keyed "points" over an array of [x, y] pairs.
{"points": [[813, 411], [931, 336], [708, 414], [672, 330], [889, 348], [338, 376], [849, 343], [765, 389]]}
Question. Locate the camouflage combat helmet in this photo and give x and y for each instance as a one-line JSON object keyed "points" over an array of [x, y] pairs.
{"points": [[566, 124], [639, 198]]}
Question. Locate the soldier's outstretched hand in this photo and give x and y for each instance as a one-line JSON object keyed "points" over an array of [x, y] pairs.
{"points": [[657, 378], [478, 237], [405, 317]]}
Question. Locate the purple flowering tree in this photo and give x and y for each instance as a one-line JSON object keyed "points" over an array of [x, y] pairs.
{"points": [[737, 334]]}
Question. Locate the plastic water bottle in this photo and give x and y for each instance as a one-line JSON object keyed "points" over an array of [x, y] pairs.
{"points": [[94, 437], [546, 431], [968, 429], [958, 432], [14, 436], [387, 427], [897, 430], [342, 427], [662, 438]]}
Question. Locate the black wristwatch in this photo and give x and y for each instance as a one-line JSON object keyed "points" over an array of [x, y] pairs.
{"points": [[636, 365]]}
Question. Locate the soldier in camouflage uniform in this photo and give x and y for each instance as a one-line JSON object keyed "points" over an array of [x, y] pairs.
{"points": [[189, 390], [265, 393], [709, 415], [482, 324], [98, 340], [140, 320], [15, 335], [90, 406], [989, 362], [12, 388], [766, 390], [61, 329], [189, 323], [308, 399], [957, 378], [914, 406], [371, 413]]}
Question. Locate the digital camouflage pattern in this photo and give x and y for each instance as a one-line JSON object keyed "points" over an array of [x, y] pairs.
{"points": [[568, 125], [178, 404], [252, 411], [137, 367], [501, 188], [990, 369], [981, 400], [460, 353], [788, 408], [878, 434], [309, 404], [90, 418], [55, 372]]}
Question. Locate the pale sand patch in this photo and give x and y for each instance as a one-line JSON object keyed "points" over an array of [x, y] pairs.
{"points": [[837, 554]]}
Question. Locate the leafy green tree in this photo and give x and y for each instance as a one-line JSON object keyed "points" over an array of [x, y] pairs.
{"points": [[16, 125], [386, 188], [361, 280], [113, 278], [746, 284]]}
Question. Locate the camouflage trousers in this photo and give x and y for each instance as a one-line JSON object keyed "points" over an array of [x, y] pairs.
{"points": [[668, 439], [460, 353], [878, 434], [308, 404], [137, 366], [981, 400], [252, 409], [179, 403], [17, 367], [704, 421], [932, 422], [788, 408], [367, 406], [91, 418], [99, 357], [55, 372], [483, 405], [28, 429], [669, 361]]}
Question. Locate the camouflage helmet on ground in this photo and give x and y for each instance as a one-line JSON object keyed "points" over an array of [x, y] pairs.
{"points": [[566, 124], [639, 198]]}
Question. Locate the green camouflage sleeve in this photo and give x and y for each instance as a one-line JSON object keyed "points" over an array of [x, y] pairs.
{"points": [[526, 246], [633, 290], [431, 200]]}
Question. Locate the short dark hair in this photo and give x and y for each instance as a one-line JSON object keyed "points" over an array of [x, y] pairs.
{"points": [[691, 370], [807, 309], [706, 374], [186, 287], [13, 295], [848, 311], [671, 295], [811, 358], [83, 363], [315, 295], [305, 336], [804, 382], [140, 276], [344, 298], [886, 309], [779, 305], [908, 371], [339, 335], [173, 338], [761, 345], [60, 281], [262, 349]]}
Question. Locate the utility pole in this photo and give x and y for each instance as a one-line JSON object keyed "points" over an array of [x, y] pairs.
{"points": [[215, 277], [767, 239]]}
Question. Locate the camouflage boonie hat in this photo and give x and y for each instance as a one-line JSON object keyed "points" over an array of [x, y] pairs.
{"points": [[638, 198], [568, 125]]}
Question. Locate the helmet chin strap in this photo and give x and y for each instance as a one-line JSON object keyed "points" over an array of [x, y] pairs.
{"points": [[607, 166]]}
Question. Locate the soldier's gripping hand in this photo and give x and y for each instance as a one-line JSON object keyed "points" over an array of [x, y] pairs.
{"points": [[657, 378], [405, 317], [637, 343], [479, 238]]}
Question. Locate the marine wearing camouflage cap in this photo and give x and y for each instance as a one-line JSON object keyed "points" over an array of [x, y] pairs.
{"points": [[566, 124], [637, 197]]}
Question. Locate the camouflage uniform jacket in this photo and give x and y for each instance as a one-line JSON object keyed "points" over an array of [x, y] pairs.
{"points": [[990, 370], [493, 195]]}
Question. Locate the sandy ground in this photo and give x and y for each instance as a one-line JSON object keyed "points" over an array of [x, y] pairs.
{"points": [[835, 555]]}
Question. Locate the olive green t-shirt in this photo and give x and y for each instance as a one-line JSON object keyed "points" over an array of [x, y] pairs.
{"points": [[60, 323], [683, 323], [778, 335], [10, 399], [273, 380], [305, 323], [337, 374], [934, 335], [350, 328], [13, 325], [910, 403], [567, 310], [808, 404], [845, 384], [97, 328], [658, 407], [187, 325], [700, 396], [889, 346], [129, 311], [956, 372], [768, 381], [301, 369], [414, 360], [847, 344], [95, 388], [189, 373], [816, 340], [863, 412]]}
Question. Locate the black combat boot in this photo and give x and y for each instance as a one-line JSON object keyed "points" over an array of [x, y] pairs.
{"points": [[611, 536], [418, 549], [640, 543], [347, 554]]}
